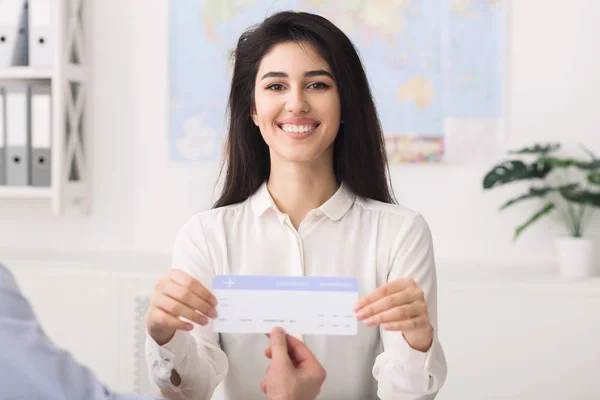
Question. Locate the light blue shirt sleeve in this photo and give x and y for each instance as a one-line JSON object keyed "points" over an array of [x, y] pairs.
{"points": [[31, 367]]}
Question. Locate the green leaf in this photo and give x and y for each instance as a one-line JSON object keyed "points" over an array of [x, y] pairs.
{"points": [[588, 166], [515, 170], [594, 178], [582, 196], [588, 152], [537, 149], [570, 162], [559, 162], [537, 193], [543, 211]]}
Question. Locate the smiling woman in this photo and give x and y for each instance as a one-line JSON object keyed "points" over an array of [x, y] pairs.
{"points": [[306, 193], [296, 104], [299, 65]]}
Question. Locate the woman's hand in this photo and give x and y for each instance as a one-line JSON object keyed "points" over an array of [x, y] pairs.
{"points": [[178, 295], [398, 305]]}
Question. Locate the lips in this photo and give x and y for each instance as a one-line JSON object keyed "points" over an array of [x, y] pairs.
{"points": [[298, 121], [298, 125], [298, 131], [290, 128]]}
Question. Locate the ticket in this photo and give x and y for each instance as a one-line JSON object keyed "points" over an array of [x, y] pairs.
{"points": [[298, 304]]}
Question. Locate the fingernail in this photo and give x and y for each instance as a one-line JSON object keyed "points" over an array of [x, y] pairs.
{"points": [[356, 306], [360, 315], [278, 331], [369, 322], [212, 313]]}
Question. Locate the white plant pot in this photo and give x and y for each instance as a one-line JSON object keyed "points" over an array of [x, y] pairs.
{"points": [[577, 257]]}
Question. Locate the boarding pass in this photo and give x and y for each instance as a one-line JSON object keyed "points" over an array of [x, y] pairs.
{"points": [[298, 304]]}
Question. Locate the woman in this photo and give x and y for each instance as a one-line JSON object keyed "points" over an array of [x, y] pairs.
{"points": [[305, 193]]}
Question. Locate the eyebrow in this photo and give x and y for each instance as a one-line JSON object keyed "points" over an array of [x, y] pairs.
{"points": [[308, 74]]}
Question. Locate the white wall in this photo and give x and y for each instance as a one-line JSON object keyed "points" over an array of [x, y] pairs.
{"points": [[140, 199]]}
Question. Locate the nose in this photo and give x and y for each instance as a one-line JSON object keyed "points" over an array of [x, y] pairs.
{"points": [[296, 101]]}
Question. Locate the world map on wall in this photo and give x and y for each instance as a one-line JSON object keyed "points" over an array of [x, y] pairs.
{"points": [[436, 69]]}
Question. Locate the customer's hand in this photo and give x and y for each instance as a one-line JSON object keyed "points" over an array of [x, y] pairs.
{"points": [[178, 295], [294, 372]]}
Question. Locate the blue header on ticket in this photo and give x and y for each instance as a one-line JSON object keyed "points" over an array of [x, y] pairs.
{"points": [[303, 283]]}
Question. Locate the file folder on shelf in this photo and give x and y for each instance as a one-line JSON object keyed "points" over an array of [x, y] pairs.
{"points": [[40, 33], [13, 33], [17, 135], [41, 137], [2, 140]]}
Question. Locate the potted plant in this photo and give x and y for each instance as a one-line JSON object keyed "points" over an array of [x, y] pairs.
{"points": [[564, 185]]}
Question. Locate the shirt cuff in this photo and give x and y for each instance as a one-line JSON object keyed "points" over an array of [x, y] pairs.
{"points": [[175, 349], [412, 359], [401, 366], [425, 363], [167, 357]]}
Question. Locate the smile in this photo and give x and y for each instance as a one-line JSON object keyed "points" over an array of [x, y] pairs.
{"points": [[291, 128]]}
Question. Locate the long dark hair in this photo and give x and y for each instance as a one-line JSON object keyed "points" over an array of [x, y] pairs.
{"points": [[359, 157]]}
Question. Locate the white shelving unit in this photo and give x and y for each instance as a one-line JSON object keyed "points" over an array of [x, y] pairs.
{"points": [[25, 73], [69, 82]]}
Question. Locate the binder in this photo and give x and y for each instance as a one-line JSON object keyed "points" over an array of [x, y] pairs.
{"points": [[17, 135], [2, 140], [41, 137], [13, 33], [40, 33]]}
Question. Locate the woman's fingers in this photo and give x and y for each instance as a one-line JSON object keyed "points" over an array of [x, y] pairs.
{"points": [[391, 301], [395, 286], [178, 309], [177, 296], [193, 286], [397, 314], [183, 295], [409, 325], [168, 321]]}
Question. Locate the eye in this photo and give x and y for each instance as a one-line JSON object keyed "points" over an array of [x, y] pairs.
{"points": [[318, 86], [275, 87]]}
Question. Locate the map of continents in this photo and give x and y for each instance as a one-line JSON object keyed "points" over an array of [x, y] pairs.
{"points": [[427, 61]]}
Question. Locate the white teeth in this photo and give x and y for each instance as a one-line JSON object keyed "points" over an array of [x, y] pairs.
{"points": [[298, 128]]}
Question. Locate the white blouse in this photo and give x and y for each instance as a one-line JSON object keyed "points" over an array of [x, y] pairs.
{"points": [[347, 236]]}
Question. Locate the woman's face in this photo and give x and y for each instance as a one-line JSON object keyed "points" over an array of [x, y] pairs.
{"points": [[297, 105]]}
